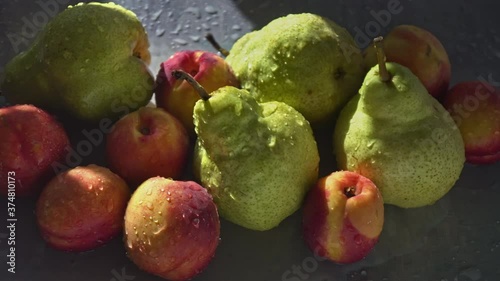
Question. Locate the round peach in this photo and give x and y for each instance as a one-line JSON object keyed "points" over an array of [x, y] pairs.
{"points": [[82, 208]]}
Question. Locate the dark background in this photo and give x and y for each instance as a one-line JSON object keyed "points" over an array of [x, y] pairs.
{"points": [[458, 238]]}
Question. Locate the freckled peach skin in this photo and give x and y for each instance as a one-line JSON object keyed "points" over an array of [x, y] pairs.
{"points": [[82, 208], [420, 51], [171, 228], [343, 217]]}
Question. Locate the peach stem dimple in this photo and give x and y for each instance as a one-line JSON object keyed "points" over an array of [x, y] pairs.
{"points": [[350, 191]]}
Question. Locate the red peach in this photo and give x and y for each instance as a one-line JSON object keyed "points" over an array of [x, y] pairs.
{"points": [[475, 107], [32, 140], [420, 51], [343, 217], [178, 97], [171, 228], [82, 208], [146, 143]]}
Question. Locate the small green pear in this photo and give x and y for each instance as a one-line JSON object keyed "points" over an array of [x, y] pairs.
{"points": [[304, 60], [90, 61], [258, 160], [400, 137]]}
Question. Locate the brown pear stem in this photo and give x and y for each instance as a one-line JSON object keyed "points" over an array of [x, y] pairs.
{"points": [[382, 69], [181, 74], [211, 39]]}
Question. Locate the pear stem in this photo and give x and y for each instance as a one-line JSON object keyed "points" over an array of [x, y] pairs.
{"points": [[382, 69], [183, 75], [211, 39]]}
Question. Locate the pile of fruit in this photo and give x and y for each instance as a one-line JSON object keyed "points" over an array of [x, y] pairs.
{"points": [[249, 120]]}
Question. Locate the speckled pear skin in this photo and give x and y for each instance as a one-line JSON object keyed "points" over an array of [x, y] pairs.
{"points": [[303, 60], [90, 61], [258, 160], [401, 138]]}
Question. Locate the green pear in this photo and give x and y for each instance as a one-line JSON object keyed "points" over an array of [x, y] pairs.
{"points": [[258, 160], [303, 60], [400, 137], [90, 61]]}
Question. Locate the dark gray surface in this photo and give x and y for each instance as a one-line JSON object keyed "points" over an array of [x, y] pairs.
{"points": [[456, 239]]}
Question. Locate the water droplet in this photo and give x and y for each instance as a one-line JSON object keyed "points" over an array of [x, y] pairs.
{"points": [[236, 27], [149, 192], [159, 31], [205, 26], [111, 206], [195, 38], [196, 222], [210, 10], [67, 54], [156, 15], [180, 41], [169, 200], [193, 10], [149, 205]]}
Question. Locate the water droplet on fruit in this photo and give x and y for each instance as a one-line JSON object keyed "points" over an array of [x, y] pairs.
{"points": [[110, 206], [196, 222], [149, 205], [140, 202], [169, 200], [370, 144], [357, 240], [67, 55], [169, 193]]}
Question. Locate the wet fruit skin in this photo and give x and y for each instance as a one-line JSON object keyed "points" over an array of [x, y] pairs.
{"points": [[31, 140], [475, 108], [172, 228], [343, 217], [146, 143], [82, 208]]}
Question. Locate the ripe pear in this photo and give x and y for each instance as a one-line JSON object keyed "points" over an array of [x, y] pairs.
{"points": [[257, 160], [304, 60], [400, 137], [90, 61]]}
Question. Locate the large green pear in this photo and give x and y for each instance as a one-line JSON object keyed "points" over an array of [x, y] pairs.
{"points": [[90, 61], [400, 137], [258, 160], [303, 60]]}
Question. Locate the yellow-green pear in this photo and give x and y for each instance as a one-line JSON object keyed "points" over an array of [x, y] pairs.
{"points": [[258, 160], [90, 61], [400, 137], [304, 60]]}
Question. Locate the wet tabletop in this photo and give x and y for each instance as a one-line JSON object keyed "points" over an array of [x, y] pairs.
{"points": [[458, 238]]}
